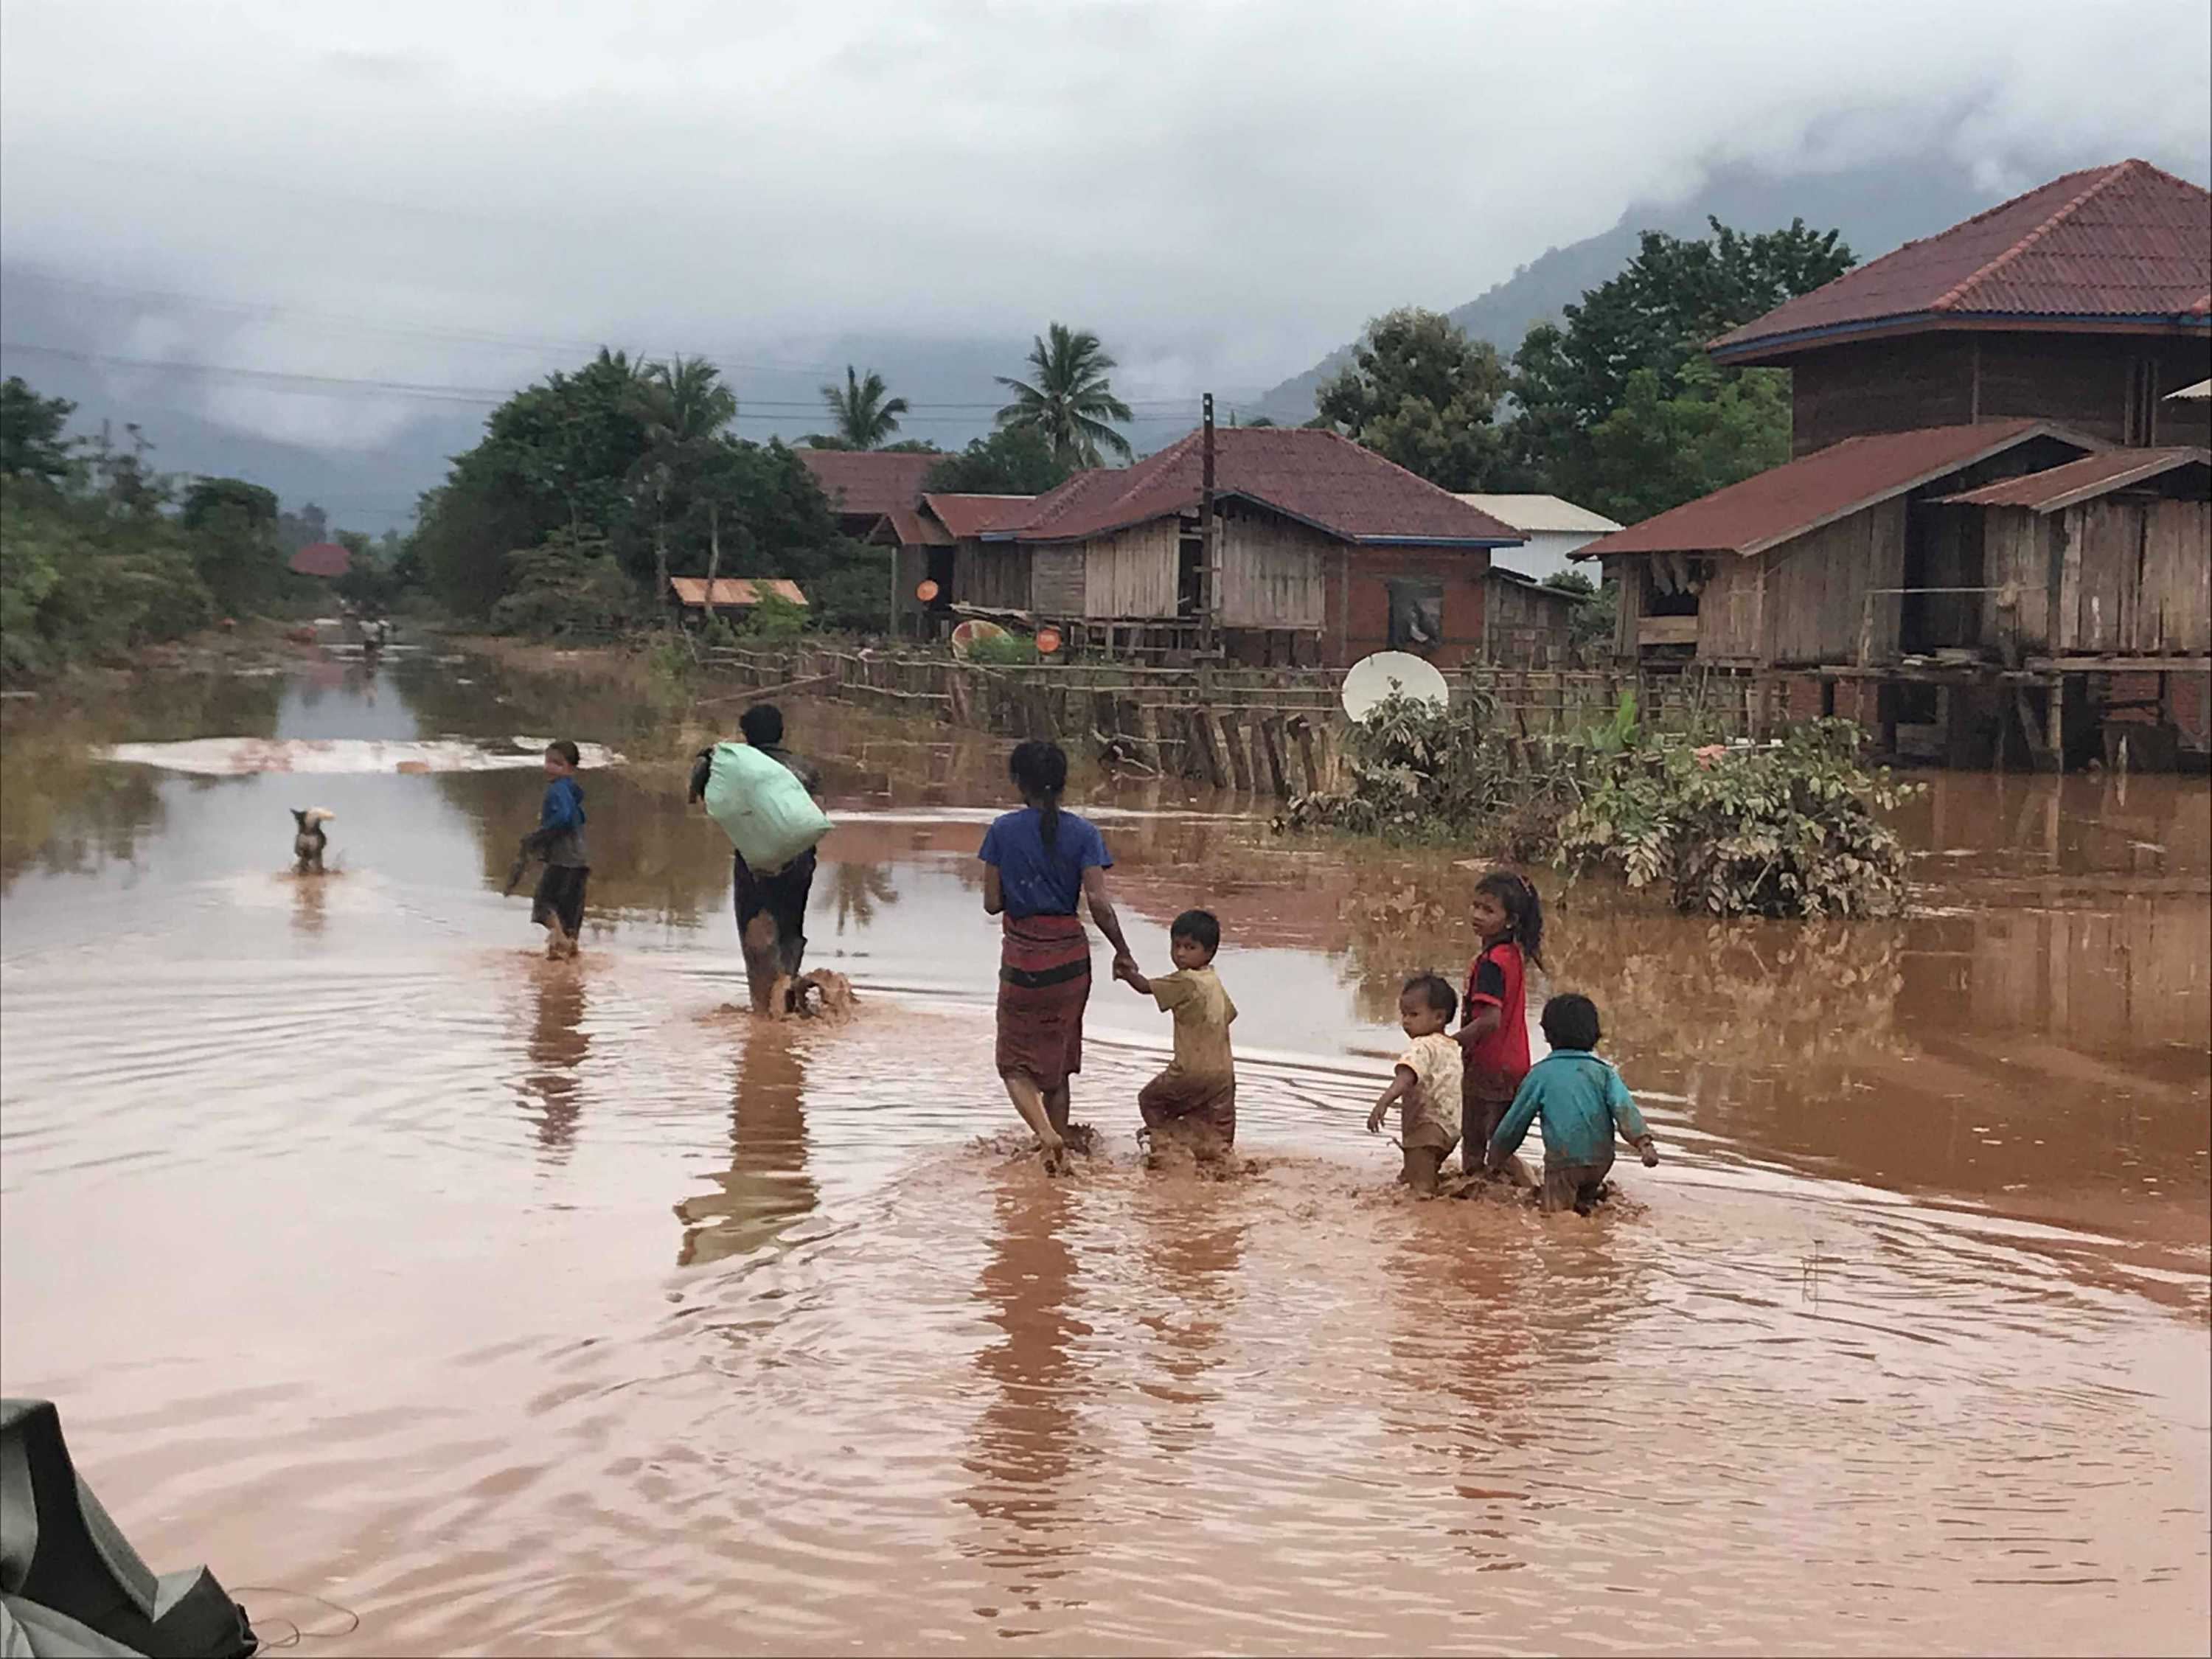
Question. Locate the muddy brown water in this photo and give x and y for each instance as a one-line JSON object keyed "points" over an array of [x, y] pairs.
{"points": [[524, 1309]]}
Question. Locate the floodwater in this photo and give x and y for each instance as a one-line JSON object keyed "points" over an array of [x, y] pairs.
{"points": [[525, 1308]]}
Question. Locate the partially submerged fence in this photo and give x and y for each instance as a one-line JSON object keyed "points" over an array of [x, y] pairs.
{"points": [[1269, 732]]}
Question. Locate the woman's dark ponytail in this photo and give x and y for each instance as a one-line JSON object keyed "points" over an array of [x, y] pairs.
{"points": [[1039, 770]]}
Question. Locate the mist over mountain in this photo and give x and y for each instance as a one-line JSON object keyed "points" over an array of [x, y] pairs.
{"points": [[1877, 207], [361, 416]]}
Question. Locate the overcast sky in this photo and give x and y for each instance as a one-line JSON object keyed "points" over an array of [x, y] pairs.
{"points": [[1224, 188]]}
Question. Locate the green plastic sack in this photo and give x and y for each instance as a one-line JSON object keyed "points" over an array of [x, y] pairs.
{"points": [[764, 811]]}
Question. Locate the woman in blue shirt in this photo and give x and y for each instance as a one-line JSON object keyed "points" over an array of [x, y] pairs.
{"points": [[1037, 864]]}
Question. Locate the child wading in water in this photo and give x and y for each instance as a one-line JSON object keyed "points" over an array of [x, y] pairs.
{"points": [[1493, 1036], [1583, 1103], [1426, 1085], [558, 904], [1194, 1100]]}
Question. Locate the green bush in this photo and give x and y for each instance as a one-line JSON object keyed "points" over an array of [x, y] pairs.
{"points": [[567, 589], [1418, 772], [1788, 830], [773, 617], [1003, 650], [78, 584]]}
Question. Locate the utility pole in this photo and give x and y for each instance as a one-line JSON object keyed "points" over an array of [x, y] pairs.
{"points": [[1209, 548]]}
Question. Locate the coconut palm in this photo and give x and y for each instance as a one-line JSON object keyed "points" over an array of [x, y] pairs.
{"points": [[1071, 400], [686, 408], [862, 417]]}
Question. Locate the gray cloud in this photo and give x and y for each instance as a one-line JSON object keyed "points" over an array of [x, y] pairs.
{"points": [[1224, 188]]}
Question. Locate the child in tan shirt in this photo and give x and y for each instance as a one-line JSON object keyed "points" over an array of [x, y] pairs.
{"points": [[1194, 1100], [1425, 1085]]}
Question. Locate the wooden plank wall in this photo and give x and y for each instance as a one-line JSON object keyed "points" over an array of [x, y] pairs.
{"points": [[995, 574], [1057, 582], [2133, 576], [2020, 552], [1132, 573], [1878, 386], [1816, 588], [2174, 617], [1525, 627], [1271, 571], [1627, 577], [1729, 616]]}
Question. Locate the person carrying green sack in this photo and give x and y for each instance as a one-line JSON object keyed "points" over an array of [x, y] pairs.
{"points": [[779, 826]]}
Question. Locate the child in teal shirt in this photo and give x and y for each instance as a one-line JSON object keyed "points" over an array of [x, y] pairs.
{"points": [[1583, 1103]]}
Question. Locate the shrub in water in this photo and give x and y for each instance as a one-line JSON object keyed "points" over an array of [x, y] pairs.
{"points": [[1788, 830]]}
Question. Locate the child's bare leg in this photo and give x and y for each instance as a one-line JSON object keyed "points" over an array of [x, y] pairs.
{"points": [[1422, 1165], [1029, 1101]]}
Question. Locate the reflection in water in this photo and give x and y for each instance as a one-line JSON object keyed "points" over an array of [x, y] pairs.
{"points": [[1191, 1256], [855, 892], [552, 1090], [310, 904], [1902, 1349], [768, 1185], [1030, 1436]]}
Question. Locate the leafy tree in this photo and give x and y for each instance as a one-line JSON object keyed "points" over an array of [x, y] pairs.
{"points": [[1655, 452], [565, 454], [31, 427], [1015, 461], [1420, 393], [1069, 398], [686, 409], [861, 415], [231, 528], [1655, 317], [305, 528], [571, 587]]}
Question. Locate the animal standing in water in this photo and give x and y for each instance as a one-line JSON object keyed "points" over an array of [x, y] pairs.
{"points": [[308, 840]]}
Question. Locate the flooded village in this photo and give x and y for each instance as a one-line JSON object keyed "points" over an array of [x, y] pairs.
{"points": [[457, 1267]]}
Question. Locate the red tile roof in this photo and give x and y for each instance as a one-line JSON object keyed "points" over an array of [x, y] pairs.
{"points": [[1302, 472], [971, 515], [1819, 489], [2124, 243], [2084, 480], [870, 481], [735, 590], [322, 559]]}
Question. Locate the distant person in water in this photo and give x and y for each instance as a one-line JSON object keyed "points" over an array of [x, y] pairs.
{"points": [[1424, 1085], [558, 904], [771, 910], [1038, 863], [1193, 1100], [1583, 1103]]}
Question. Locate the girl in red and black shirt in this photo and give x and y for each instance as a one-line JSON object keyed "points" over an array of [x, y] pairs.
{"points": [[1494, 1033]]}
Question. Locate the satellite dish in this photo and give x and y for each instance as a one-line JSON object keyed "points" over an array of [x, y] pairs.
{"points": [[973, 629], [1373, 679]]}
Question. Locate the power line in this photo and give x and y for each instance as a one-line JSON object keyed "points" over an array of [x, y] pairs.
{"points": [[765, 412], [270, 308]]}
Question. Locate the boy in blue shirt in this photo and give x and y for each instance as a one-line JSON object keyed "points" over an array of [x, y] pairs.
{"points": [[558, 904], [1583, 1103]]}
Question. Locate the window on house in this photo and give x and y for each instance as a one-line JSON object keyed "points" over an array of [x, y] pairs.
{"points": [[1417, 615]]}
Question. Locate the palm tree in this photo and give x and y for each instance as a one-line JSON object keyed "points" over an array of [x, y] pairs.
{"points": [[1071, 400], [863, 417], [685, 407]]}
